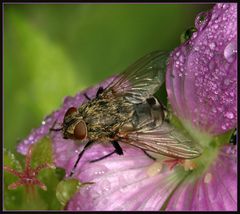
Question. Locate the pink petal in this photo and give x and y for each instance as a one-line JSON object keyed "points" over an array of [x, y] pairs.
{"points": [[121, 182], [218, 192], [201, 76]]}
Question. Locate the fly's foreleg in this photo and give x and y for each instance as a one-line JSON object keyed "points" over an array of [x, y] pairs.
{"points": [[86, 96], [148, 155], [99, 91], [117, 150], [80, 155], [117, 147]]}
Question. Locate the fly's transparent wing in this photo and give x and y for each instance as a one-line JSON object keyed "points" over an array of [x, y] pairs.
{"points": [[140, 80], [164, 140]]}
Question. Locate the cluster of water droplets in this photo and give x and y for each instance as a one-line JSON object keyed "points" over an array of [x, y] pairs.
{"points": [[206, 64]]}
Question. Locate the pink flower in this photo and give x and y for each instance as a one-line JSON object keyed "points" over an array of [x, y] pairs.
{"points": [[201, 86], [202, 73]]}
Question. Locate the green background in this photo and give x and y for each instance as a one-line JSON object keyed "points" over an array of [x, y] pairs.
{"points": [[55, 50]]}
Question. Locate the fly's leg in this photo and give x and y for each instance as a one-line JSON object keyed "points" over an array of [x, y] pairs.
{"points": [[86, 96], [117, 150], [99, 91], [80, 155], [105, 156], [149, 155], [117, 147]]}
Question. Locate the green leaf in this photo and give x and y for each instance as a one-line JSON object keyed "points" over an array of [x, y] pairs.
{"points": [[20, 199], [11, 198], [42, 152], [67, 188]]}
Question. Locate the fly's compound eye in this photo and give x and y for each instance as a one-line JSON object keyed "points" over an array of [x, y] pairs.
{"points": [[70, 111], [80, 130]]}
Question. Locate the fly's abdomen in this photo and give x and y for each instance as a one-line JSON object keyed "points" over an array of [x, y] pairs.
{"points": [[148, 115]]}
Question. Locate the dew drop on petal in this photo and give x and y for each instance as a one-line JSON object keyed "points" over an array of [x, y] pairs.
{"points": [[226, 81], [223, 127], [230, 51], [214, 110], [229, 115], [212, 45], [99, 171], [106, 186], [201, 20]]}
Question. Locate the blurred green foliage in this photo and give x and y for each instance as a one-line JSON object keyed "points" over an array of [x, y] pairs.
{"points": [[55, 50]]}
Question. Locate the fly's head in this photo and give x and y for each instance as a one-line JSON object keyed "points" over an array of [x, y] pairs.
{"points": [[74, 127]]}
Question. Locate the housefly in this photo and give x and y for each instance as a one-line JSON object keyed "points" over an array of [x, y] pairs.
{"points": [[126, 111]]}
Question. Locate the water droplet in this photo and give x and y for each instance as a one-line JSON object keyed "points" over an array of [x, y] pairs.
{"points": [[43, 122], [223, 127], [229, 115], [214, 110], [202, 20], [212, 45], [196, 48], [181, 58], [105, 186], [220, 109], [230, 51], [226, 81], [225, 6]]}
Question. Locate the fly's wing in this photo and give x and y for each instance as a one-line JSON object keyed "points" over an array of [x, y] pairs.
{"points": [[164, 140], [140, 80]]}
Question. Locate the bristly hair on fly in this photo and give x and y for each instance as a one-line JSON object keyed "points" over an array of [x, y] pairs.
{"points": [[127, 111]]}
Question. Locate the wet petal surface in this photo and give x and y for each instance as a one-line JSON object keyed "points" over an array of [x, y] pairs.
{"points": [[215, 190], [201, 77]]}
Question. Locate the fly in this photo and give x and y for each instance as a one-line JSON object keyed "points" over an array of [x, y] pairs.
{"points": [[126, 111]]}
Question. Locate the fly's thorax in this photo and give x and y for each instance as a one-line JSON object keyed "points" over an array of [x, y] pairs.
{"points": [[104, 116]]}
